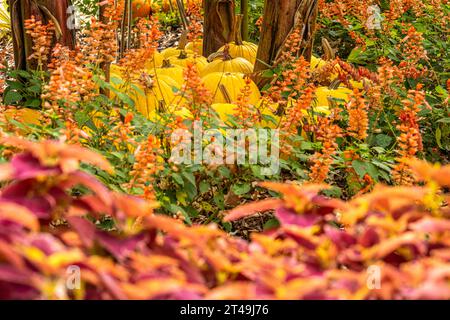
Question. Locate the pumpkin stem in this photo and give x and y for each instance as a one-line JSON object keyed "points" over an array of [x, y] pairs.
{"points": [[329, 52], [183, 40], [226, 53], [238, 29], [183, 55], [335, 84], [161, 106], [225, 93], [166, 64]]}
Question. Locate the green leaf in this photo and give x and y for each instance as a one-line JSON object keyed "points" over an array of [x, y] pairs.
{"points": [[439, 137], [182, 197], [35, 89], [204, 187], [441, 91], [12, 97], [178, 178], [362, 168], [383, 140], [219, 200], [189, 176], [271, 224], [241, 189], [33, 103], [444, 120], [225, 172]]}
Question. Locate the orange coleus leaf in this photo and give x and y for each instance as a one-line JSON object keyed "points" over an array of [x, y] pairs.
{"points": [[253, 208], [428, 172], [235, 291], [177, 229], [6, 172], [10, 255], [431, 225], [134, 207], [18, 214], [300, 288], [388, 246], [291, 189], [298, 197], [151, 288]]}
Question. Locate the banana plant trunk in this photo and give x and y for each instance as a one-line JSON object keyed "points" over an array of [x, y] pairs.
{"points": [[245, 13], [218, 24], [281, 18], [45, 11]]}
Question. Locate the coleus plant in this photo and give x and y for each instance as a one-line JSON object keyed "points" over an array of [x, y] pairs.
{"points": [[51, 213]]}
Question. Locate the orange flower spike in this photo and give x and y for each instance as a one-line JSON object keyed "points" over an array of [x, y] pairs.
{"points": [[245, 112], [148, 163], [410, 139], [198, 97], [358, 116], [41, 37]]}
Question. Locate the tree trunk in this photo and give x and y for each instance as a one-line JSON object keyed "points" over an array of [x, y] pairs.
{"points": [[218, 24], [44, 10], [281, 18]]}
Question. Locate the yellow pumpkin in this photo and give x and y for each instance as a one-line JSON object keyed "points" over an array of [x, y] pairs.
{"points": [[184, 58], [239, 48], [323, 94], [268, 109], [25, 116], [171, 52], [155, 62], [224, 110], [159, 89], [195, 46], [228, 64], [317, 63], [170, 70], [233, 83]]}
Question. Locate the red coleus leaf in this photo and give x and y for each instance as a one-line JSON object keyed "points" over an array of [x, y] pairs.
{"points": [[54, 153]]}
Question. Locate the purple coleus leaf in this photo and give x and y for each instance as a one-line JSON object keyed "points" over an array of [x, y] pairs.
{"points": [[340, 238], [290, 217], [27, 193], [86, 180], [120, 248], [26, 166], [46, 242], [85, 229]]}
